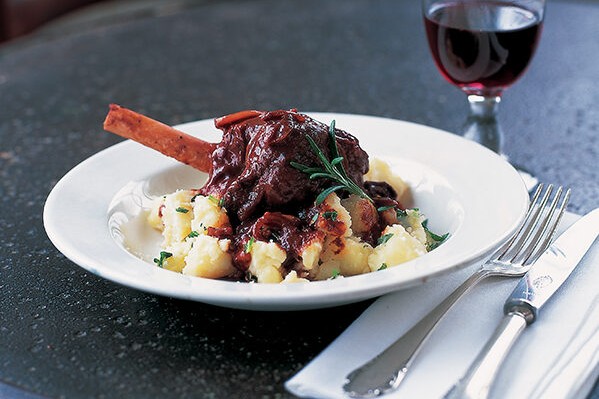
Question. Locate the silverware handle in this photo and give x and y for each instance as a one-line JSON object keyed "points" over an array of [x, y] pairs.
{"points": [[386, 370], [477, 381]]}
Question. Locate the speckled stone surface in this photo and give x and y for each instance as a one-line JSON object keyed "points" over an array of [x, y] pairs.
{"points": [[67, 333]]}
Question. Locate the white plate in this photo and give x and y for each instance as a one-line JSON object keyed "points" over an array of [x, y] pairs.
{"points": [[95, 212]]}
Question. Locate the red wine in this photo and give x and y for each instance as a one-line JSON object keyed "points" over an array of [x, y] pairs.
{"points": [[484, 46]]}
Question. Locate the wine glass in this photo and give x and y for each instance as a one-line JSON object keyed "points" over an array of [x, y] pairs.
{"points": [[482, 47]]}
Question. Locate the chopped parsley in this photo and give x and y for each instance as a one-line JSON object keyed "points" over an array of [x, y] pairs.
{"points": [[182, 210], [217, 201], [250, 278], [336, 273], [163, 256], [384, 238], [193, 234], [435, 239], [249, 244], [331, 215], [401, 213], [384, 208], [383, 266]]}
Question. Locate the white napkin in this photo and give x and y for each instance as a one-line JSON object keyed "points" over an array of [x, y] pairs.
{"points": [[461, 335]]}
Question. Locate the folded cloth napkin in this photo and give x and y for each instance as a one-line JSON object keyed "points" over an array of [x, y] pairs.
{"points": [[460, 336], [577, 368]]}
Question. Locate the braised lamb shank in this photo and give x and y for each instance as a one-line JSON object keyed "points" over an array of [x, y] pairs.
{"points": [[249, 169]]}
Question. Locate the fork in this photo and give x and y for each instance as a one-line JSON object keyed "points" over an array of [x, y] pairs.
{"points": [[513, 259]]}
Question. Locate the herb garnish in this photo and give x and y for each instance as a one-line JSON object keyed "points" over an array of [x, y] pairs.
{"points": [[384, 238], [250, 278], [436, 239], [182, 210], [383, 266], [249, 244], [217, 201], [163, 256], [314, 218], [331, 215], [336, 273], [333, 169], [384, 208], [193, 234]]}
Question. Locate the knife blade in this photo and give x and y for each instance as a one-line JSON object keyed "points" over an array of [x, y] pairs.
{"points": [[522, 307]]}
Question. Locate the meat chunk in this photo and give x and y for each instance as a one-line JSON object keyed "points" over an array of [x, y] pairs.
{"points": [[251, 170]]}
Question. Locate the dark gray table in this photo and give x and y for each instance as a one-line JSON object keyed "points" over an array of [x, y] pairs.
{"points": [[67, 333]]}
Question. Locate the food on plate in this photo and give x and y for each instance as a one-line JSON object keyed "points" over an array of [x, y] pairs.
{"points": [[287, 199]]}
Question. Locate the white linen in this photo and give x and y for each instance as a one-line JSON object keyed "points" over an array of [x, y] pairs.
{"points": [[461, 335]]}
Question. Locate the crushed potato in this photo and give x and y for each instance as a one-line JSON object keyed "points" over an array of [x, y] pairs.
{"points": [[399, 246], [267, 261], [208, 257], [184, 218]]}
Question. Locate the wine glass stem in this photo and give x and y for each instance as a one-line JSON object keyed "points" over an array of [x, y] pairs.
{"points": [[482, 125]]}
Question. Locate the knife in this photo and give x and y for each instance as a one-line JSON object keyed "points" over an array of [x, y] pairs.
{"points": [[522, 306]]}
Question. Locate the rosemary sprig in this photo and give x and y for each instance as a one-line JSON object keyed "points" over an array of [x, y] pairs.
{"points": [[333, 169]]}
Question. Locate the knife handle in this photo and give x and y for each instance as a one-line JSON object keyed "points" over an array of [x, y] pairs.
{"points": [[479, 377]]}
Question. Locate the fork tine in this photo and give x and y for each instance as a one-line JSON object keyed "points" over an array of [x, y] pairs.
{"points": [[525, 235], [538, 240], [541, 234], [499, 253], [549, 232], [535, 231], [527, 238]]}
